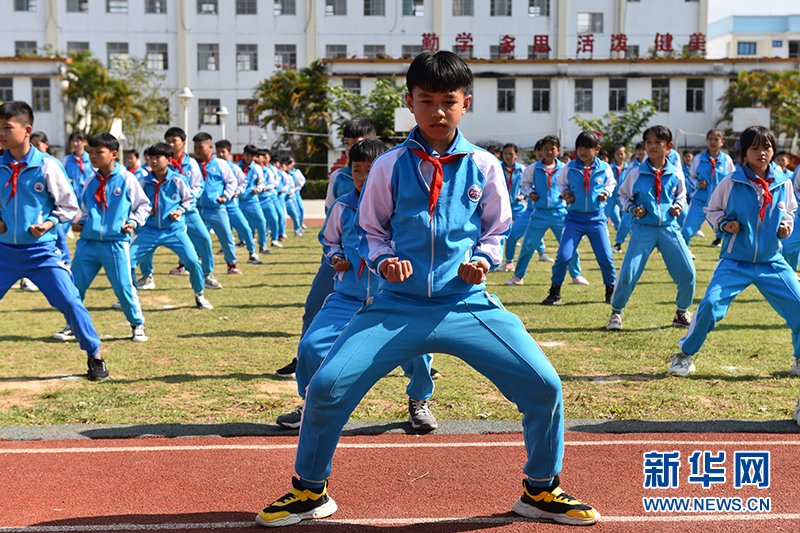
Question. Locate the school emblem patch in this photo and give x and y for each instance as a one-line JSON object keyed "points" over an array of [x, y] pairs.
{"points": [[781, 206], [175, 196], [674, 190], [117, 192], [188, 173], [474, 193], [38, 186], [599, 181]]}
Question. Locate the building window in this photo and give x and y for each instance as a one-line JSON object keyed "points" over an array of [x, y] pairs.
{"points": [[746, 48], [6, 89], [794, 48], [374, 8], [583, 96], [494, 53], [25, 48], [617, 94], [463, 8], [537, 55], [464, 54], [246, 7], [246, 57], [41, 94], [206, 7], [77, 6], [660, 95], [336, 51], [286, 55], [119, 7], [25, 5], [695, 95], [117, 54], [245, 115], [207, 57], [156, 7], [285, 7], [541, 96], [500, 8], [589, 23], [413, 8], [352, 84], [77, 46], [335, 8], [156, 56], [410, 51], [374, 51], [538, 8], [208, 111], [777, 44], [506, 95], [632, 51]]}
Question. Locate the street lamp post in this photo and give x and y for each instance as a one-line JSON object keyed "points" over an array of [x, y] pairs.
{"points": [[185, 96], [223, 113]]}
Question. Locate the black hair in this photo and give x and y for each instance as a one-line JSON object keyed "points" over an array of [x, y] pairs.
{"points": [[587, 139], [251, 149], [661, 133], [777, 154], [602, 153], [359, 127], [639, 146], [39, 136], [286, 160], [755, 136], [366, 150], [550, 139], [538, 146], [160, 149], [76, 136], [511, 145], [148, 151], [264, 151], [715, 131], [175, 131], [223, 144], [17, 110], [134, 152], [202, 137], [493, 148], [617, 147], [104, 140], [439, 72]]}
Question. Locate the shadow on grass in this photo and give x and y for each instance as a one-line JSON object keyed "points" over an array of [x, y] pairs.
{"points": [[31, 379], [27, 338], [243, 334]]}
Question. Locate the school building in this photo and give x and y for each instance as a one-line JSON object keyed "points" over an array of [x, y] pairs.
{"points": [[755, 36]]}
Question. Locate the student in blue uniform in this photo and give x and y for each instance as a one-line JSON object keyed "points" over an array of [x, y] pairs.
{"points": [[520, 215], [236, 216], [354, 286], [754, 207], [133, 164], [268, 197], [547, 210], [626, 219], [113, 206], [77, 163], [791, 244], [437, 196], [618, 166], [585, 183], [35, 196], [170, 198], [291, 188], [299, 183], [655, 194]]}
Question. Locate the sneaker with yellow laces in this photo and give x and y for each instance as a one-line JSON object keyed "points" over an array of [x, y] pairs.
{"points": [[552, 503], [298, 504]]}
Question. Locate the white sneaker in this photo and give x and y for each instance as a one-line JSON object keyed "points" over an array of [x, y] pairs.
{"points": [[116, 306], [201, 302], [254, 259], [211, 282], [794, 370], [700, 233], [146, 283], [515, 281], [27, 285], [796, 416], [508, 267], [681, 365], [138, 334], [580, 280], [614, 322], [544, 258], [277, 244], [65, 334]]}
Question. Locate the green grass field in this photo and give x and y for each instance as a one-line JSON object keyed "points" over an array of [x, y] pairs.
{"points": [[217, 366]]}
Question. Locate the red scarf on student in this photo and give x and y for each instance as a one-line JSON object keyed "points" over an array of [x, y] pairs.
{"points": [[177, 163], [510, 171], [100, 193], [16, 168], [765, 190], [438, 174], [587, 178], [549, 173], [658, 173]]}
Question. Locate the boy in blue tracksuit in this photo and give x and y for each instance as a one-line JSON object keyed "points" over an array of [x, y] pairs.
{"points": [[35, 196], [291, 188], [706, 171], [133, 164], [170, 198], [431, 220], [235, 214], [655, 194], [618, 166], [626, 219], [268, 196], [354, 285], [519, 214], [251, 183], [113, 206], [299, 182], [547, 210], [585, 183], [77, 163], [754, 207]]}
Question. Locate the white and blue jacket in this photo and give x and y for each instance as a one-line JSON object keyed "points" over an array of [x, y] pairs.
{"points": [[219, 180], [737, 198], [43, 193], [127, 202], [470, 220], [139, 172], [190, 172], [253, 181], [639, 190], [339, 184], [570, 178], [534, 179], [339, 239], [78, 169], [514, 184], [270, 184], [173, 194], [700, 170]]}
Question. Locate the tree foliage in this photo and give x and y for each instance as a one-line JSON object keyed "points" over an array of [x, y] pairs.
{"points": [[778, 91], [620, 127], [295, 104], [378, 106]]}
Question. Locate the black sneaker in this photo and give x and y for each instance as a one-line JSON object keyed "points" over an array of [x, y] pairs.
{"points": [[683, 319], [435, 374], [617, 249], [287, 372], [98, 371], [291, 420], [609, 293], [717, 243], [554, 297], [298, 504], [552, 503]]}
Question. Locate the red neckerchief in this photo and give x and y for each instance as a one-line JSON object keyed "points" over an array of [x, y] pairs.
{"points": [[549, 173], [133, 170], [16, 168], [618, 170], [438, 174], [361, 268], [587, 178], [510, 171], [177, 163], [100, 192], [767, 193], [203, 168], [159, 183], [713, 162], [658, 173], [79, 160]]}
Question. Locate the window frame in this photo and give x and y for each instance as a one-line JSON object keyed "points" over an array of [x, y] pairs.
{"points": [[585, 88], [506, 96]]}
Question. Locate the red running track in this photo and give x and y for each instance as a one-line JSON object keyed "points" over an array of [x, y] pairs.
{"points": [[395, 483]]}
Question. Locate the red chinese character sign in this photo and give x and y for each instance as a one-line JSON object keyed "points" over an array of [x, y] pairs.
{"points": [[663, 42], [619, 43], [586, 44], [507, 45], [430, 41], [697, 43], [541, 44], [464, 41]]}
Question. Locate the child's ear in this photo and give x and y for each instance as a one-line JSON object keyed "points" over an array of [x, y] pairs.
{"points": [[467, 103], [670, 145], [409, 102]]}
